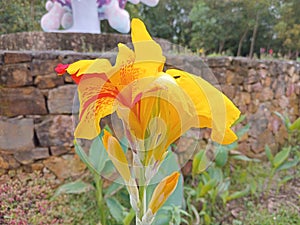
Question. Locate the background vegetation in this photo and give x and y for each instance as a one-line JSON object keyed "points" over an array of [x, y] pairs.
{"points": [[232, 27]]}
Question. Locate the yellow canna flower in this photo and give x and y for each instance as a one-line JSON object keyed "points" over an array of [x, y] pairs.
{"points": [[116, 155], [157, 107], [214, 109], [162, 191]]}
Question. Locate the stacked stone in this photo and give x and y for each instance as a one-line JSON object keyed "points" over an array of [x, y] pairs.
{"points": [[36, 127], [259, 88], [36, 112]]}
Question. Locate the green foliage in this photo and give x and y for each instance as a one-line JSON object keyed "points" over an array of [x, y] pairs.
{"points": [[75, 187], [293, 130], [258, 215], [98, 163], [238, 27], [288, 27], [200, 163], [282, 161], [168, 20], [21, 15], [116, 209], [176, 215], [213, 188], [176, 199]]}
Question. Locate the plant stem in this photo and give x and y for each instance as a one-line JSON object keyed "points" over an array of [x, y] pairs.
{"points": [[127, 220], [143, 201], [142, 209], [270, 182], [99, 197]]}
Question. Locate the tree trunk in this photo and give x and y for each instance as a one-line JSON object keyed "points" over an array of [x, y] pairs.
{"points": [[254, 37], [221, 47], [32, 12], [241, 42]]}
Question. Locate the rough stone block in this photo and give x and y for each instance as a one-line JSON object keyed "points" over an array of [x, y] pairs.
{"points": [[55, 131], [59, 150], [48, 81], [266, 94], [229, 91], [66, 166], [24, 158], [37, 166], [40, 153], [42, 67], [16, 135], [219, 61], [16, 57], [15, 75], [22, 101], [8, 162], [60, 100], [245, 98], [27, 157], [3, 163]]}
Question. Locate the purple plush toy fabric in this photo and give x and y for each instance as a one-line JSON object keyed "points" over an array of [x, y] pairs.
{"points": [[100, 3]]}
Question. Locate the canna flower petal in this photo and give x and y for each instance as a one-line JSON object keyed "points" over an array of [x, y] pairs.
{"points": [[160, 116], [60, 69], [162, 191], [97, 97], [148, 53], [116, 155], [82, 67], [214, 109]]}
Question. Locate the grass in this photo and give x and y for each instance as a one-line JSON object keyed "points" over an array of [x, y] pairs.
{"points": [[259, 215], [25, 199], [281, 206]]}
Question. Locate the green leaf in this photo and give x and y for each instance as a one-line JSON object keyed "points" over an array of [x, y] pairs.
{"points": [[116, 209], [286, 179], [222, 157], [200, 163], [269, 154], [216, 173], [288, 165], [224, 186], [85, 159], [241, 132], [295, 125], [75, 187], [240, 119], [168, 166], [238, 194], [286, 121], [253, 186], [129, 217], [97, 154], [207, 219], [113, 187], [108, 169], [280, 157], [207, 187], [244, 158]]}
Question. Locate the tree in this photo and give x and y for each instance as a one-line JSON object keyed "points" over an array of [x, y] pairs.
{"points": [[215, 23], [168, 20], [21, 15], [232, 25], [288, 27]]}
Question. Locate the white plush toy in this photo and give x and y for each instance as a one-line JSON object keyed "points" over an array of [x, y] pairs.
{"points": [[85, 15]]}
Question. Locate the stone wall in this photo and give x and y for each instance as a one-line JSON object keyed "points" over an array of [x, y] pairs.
{"points": [[36, 128], [43, 41]]}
